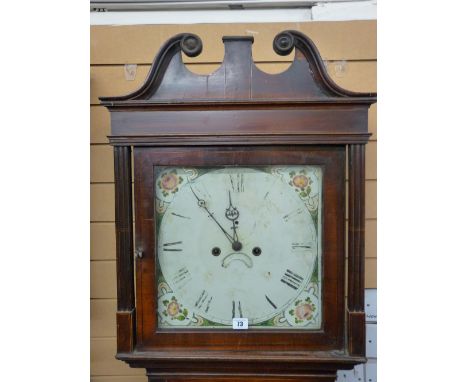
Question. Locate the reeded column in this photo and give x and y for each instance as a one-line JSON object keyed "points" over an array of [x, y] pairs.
{"points": [[124, 247], [356, 259]]}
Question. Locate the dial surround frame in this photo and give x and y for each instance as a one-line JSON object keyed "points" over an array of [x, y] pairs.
{"points": [[332, 161]]}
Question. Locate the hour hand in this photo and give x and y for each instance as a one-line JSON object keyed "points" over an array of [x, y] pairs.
{"points": [[232, 214]]}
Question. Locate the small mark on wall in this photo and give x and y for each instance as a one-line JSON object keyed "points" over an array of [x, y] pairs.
{"points": [[130, 71]]}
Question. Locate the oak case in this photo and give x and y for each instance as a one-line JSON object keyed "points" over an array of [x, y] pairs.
{"points": [[240, 116]]}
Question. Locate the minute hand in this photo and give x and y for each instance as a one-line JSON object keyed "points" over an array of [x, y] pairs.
{"points": [[202, 204], [232, 214]]}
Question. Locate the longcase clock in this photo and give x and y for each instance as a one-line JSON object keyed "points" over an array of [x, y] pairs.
{"points": [[235, 269]]}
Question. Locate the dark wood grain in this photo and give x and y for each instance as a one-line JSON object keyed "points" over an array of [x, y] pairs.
{"points": [[284, 124], [238, 77], [317, 377], [332, 160], [243, 365], [240, 115], [230, 379], [356, 240], [124, 246], [125, 331]]}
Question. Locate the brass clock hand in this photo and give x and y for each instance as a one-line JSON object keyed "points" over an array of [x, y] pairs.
{"points": [[202, 204], [233, 214]]}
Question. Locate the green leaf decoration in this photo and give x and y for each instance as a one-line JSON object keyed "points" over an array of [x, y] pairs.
{"points": [[185, 312], [165, 302], [161, 278], [315, 274], [173, 298], [297, 302], [308, 190], [303, 194], [270, 322], [291, 312], [165, 313], [308, 299], [292, 173], [314, 215], [180, 179], [207, 322], [181, 317]]}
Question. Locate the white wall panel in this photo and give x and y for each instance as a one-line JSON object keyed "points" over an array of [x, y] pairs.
{"points": [[344, 10], [371, 370], [371, 340], [353, 10], [370, 299], [355, 375]]}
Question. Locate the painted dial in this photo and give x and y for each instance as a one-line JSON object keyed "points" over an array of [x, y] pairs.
{"points": [[236, 242]]}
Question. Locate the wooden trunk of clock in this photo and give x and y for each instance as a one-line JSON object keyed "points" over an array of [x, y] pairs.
{"points": [[261, 139]]}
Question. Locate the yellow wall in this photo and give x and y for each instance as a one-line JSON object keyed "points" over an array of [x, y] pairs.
{"points": [[114, 46]]}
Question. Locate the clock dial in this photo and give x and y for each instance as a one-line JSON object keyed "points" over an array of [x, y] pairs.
{"points": [[239, 242]]}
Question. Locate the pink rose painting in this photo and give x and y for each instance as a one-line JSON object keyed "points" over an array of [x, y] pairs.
{"points": [[169, 182]]}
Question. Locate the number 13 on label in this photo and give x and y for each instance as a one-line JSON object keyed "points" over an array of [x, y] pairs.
{"points": [[240, 323]]}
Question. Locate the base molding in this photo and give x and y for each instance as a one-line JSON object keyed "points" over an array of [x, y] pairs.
{"points": [[231, 366], [319, 377]]}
